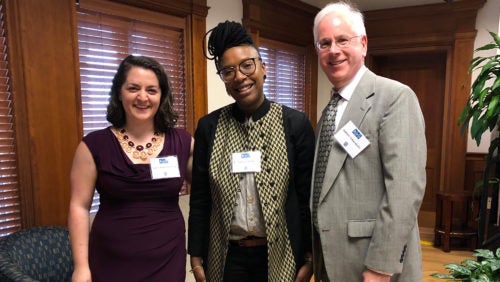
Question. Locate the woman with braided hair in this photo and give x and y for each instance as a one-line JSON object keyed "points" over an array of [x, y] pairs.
{"points": [[249, 214]]}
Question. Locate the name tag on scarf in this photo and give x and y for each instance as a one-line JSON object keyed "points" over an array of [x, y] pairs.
{"points": [[164, 167], [246, 162]]}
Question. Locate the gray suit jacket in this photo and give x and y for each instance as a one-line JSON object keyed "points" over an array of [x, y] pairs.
{"points": [[367, 212]]}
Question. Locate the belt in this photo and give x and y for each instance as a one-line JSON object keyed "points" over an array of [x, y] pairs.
{"points": [[250, 242]]}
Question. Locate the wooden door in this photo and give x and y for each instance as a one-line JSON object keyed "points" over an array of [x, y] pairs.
{"points": [[425, 73]]}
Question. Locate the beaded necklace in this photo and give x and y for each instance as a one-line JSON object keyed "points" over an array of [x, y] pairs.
{"points": [[139, 151]]}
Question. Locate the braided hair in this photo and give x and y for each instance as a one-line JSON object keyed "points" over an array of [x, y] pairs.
{"points": [[224, 36]]}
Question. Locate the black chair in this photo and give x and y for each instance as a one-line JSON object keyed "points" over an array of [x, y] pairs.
{"points": [[36, 254]]}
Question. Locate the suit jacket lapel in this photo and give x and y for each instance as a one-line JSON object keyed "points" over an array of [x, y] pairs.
{"points": [[355, 111]]}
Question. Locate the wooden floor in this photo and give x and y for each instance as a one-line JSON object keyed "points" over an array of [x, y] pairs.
{"points": [[434, 259]]}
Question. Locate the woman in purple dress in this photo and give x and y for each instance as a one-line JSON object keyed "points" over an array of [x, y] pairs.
{"points": [[138, 165]]}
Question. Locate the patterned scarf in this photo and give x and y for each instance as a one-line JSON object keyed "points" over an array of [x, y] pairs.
{"points": [[266, 135]]}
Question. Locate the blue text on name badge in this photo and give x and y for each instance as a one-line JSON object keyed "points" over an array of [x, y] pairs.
{"points": [[245, 155], [357, 133], [163, 161]]}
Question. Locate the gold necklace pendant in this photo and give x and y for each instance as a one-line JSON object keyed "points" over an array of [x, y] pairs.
{"points": [[140, 151]]}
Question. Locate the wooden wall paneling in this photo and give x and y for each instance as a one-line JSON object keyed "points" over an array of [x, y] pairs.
{"points": [[47, 117], [199, 93], [474, 170], [449, 27], [455, 143], [20, 114]]}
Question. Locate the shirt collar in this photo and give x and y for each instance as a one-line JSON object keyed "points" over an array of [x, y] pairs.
{"points": [[348, 90], [261, 111]]}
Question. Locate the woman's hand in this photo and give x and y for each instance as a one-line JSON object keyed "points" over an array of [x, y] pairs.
{"points": [[81, 274], [197, 269], [199, 274], [305, 273]]}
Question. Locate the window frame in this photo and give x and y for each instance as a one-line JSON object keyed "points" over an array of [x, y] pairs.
{"points": [[194, 13], [271, 20], [278, 50], [43, 183], [11, 198]]}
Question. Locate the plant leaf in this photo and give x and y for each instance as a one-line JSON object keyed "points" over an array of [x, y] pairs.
{"points": [[488, 46], [483, 253], [496, 38], [495, 86], [474, 63], [495, 265], [494, 144], [442, 276], [471, 263], [483, 278], [492, 106], [456, 268]]}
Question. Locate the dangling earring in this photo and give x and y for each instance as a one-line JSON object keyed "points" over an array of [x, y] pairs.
{"points": [[265, 76]]}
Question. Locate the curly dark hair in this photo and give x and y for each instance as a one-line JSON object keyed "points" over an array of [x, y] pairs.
{"points": [[165, 118], [224, 36]]}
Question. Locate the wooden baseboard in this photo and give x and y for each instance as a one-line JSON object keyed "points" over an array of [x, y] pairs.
{"points": [[427, 234]]}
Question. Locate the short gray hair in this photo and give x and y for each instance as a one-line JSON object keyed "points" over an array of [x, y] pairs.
{"points": [[347, 9]]}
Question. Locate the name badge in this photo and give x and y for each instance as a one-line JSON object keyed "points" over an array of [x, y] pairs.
{"points": [[165, 167], [246, 162], [351, 139]]}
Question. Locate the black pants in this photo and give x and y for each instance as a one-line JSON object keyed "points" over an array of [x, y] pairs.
{"points": [[246, 264]]}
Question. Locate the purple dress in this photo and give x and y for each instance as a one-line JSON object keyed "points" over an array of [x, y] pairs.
{"points": [[138, 233]]}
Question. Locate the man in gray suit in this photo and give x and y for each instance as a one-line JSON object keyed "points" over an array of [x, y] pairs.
{"points": [[370, 183]]}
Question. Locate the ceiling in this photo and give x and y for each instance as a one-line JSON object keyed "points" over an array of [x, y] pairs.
{"points": [[367, 5]]}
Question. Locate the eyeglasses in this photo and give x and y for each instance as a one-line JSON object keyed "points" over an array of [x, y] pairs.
{"points": [[343, 42], [246, 67]]}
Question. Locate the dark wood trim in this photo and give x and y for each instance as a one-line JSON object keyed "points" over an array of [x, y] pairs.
{"points": [[20, 114], [291, 22], [200, 90], [447, 27], [43, 58], [475, 164], [45, 88], [311, 96], [180, 8]]}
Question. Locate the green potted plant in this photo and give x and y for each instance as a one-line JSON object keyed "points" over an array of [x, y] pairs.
{"points": [[482, 110], [485, 269], [482, 113]]}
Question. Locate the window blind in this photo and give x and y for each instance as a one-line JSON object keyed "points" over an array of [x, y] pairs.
{"points": [[105, 39], [10, 209], [285, 82]]}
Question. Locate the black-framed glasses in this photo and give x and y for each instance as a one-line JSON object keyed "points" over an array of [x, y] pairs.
{"points": [[342, 42], [246, 67]]}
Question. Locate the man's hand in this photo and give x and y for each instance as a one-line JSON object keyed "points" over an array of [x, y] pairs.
{"points": [[372, 276]]}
